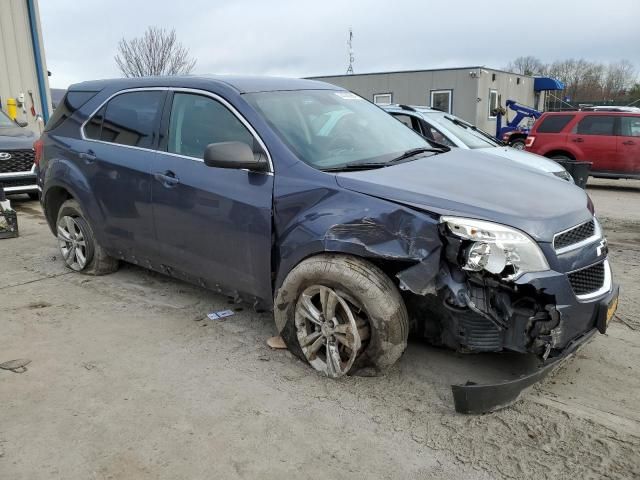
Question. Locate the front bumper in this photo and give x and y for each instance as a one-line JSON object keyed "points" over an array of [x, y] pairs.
{"points": [[474, 398], [19, 182]]}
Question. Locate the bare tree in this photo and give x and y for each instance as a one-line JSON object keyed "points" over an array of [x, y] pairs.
{"points": [[157, 52], [528, 65]]}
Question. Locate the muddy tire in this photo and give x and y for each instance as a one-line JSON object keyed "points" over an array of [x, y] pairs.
{"points": [[78, 246], [342, 315]]}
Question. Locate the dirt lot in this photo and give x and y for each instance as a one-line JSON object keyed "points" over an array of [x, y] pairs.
{"points": [[128, 380]]}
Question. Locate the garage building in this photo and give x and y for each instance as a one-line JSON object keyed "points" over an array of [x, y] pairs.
{"points": [[23, 69], [471, 93]]}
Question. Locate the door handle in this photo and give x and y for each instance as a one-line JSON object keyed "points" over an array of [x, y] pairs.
{"points": [[168, 178], [577, 140], [89, 156], [629, 142]]}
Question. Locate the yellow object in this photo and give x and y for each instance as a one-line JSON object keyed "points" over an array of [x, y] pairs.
{"points": [[12, 108]]}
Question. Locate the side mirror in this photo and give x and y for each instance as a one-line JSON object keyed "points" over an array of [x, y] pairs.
{"points": [[234, 155], [21, 123]]}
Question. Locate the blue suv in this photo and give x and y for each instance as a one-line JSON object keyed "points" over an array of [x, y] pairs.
{"points": [[306, 199]]}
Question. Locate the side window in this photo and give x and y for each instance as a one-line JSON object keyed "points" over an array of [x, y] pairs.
{"points": [[436, 135], [596, 125], [196, 121], [493, 103], [554, 123], [630, 126], [129, 119]]}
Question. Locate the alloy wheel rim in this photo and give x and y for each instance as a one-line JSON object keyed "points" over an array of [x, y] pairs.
{"points": [[330, 329], [72, 243]]}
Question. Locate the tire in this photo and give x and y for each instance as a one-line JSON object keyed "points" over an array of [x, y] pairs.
{"points": [[518, 144], [368, 326], [80, 250]]}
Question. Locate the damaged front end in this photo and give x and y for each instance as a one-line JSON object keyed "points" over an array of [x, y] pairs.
{"points": [[493, 291]]}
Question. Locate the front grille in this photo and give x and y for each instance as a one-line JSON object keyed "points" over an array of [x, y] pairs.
{"points": [[17, 182], [575, 235], [587, 280], [20, 161]]}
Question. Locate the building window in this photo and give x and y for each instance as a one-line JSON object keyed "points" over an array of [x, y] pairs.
{"points": [[441, 100], [493, 103], [383, 98]]}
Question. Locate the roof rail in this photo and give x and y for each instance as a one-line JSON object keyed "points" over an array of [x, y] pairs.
{"points": [[407, 107]]}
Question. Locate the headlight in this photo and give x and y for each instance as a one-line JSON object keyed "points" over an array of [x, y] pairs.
{"points": [[563, 174], [496, 248]]}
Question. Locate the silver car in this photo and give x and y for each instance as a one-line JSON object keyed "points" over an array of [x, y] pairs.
{"points": [[447, 129]]}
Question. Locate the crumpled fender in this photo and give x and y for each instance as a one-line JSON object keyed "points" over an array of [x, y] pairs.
{"points": [[357, 224]]}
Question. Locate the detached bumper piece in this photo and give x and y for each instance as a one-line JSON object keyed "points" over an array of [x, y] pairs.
{"points": [[474, 398]]}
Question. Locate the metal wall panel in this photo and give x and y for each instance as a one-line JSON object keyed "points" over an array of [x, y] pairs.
{"points": [[18, 73]]}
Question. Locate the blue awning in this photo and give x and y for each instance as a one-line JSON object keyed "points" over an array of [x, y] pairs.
{"points": [[547, 83]]}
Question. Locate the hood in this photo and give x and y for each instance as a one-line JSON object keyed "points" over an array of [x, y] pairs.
{"points": [[16, 138], [525, 158], [464, 183]]}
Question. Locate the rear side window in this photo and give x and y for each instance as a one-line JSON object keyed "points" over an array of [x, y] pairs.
{"points": [[196, 121], [71, 102], [554, 123], [127, 119], [630, 126], [596, 125]]}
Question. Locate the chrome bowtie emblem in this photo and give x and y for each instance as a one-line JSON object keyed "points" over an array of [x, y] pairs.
{"points": [[5, 156], [603, 248]]}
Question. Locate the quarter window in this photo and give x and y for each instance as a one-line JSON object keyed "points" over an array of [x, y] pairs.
{"points": [[408, 121], [596, 125], [554, 123], [630, 126], [127, 119], [441, 100], [196, 121], [383, 98]]}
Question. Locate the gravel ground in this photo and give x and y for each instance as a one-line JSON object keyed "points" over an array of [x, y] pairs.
{"points": [[130, 380]]}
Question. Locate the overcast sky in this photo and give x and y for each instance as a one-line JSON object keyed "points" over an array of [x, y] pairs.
{"points": [[304, 38]]}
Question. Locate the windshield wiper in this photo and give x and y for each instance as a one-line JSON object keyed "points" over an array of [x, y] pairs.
{"points": [[355, 166], [413, 152]]}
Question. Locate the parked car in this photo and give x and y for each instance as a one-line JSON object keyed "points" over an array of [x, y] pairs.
{"points": [[17, 174], [447, 129], [610, 140], [303, 198]]}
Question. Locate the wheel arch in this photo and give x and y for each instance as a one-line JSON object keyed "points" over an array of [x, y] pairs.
{"points": [[558, 151]]}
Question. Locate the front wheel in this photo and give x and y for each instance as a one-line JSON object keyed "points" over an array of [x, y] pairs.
{"points": [[518, 144], [341, 314]]}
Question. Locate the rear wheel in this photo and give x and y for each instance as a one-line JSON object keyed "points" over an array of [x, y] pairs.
{"points": [[77, 243], [341, 314]]}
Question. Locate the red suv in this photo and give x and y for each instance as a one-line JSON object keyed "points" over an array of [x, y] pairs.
{"points": [[610, 140]]}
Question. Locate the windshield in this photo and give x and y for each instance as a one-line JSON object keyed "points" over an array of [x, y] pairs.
{"points": [[329, 129], [5, 121], [471, 136]]}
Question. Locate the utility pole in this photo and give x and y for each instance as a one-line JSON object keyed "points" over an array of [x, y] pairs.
{"points": [[351, 57]]}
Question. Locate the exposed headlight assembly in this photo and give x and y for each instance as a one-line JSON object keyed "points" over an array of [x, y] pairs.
{"points": [[496, 248]]}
